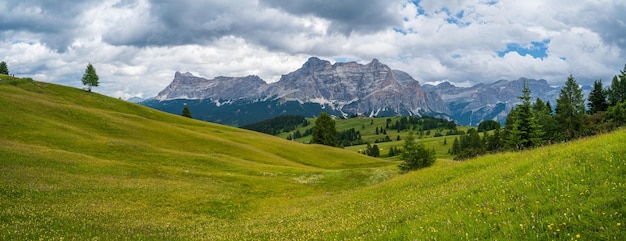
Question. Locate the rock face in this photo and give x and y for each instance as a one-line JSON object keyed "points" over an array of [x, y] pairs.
{"points": [[371, 89], [471, 105], [355, 88], [187, 86]]}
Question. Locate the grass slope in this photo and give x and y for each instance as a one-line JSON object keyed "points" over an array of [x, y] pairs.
{"points": [[77, 164], [84, 166]]}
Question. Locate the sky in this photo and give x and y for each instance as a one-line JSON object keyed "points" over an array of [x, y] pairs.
{"points": [[136, 46]]}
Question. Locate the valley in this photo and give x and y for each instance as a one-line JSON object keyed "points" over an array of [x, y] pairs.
{"points": [[79, 165], [341, 89]]}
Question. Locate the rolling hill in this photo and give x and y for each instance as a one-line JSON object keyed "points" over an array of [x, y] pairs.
{"points": [[79, 165]]}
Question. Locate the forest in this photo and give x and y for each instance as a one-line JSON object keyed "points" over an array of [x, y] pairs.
{"points": [[533, 124]]}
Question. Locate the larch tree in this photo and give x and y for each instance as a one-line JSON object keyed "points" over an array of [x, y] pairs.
{"points": [[90, 78]]}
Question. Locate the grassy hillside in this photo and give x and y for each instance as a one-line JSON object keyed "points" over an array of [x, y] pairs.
{"points": [[83, 166]]}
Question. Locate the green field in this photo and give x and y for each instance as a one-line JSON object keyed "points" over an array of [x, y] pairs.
{"points": [[82, 166], [367, 128]]}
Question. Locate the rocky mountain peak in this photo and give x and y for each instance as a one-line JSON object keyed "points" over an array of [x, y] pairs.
{"points": [[182, 75], [372, 89], [377, 64], [354, 88], [315, 63], [188, 86]]}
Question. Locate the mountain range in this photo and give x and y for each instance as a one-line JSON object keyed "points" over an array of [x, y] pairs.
{"points": [[341, 89]]}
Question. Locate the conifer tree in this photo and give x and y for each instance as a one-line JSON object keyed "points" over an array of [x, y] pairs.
{"points": [[415, 155], [324, 132], [549, 107], [375, 151], [525, 132], [456, 147], [493, 141], [570, 109], [90, 78], [597, 98], [186, 112], [545, 119], [617, 91], [3, 68]]}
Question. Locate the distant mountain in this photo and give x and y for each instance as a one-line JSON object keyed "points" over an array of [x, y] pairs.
{"points": [[188, 86], [135, 99], [471, 105], [342, 89]]}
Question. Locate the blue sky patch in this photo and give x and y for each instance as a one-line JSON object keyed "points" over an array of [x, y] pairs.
{"points": [[535, 49], [404, 31], [491, 3], [420, 10], [345, 59]]}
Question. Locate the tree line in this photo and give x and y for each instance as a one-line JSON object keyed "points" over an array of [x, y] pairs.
{"points": [[279, 124], [424, 123], [530, 125]]}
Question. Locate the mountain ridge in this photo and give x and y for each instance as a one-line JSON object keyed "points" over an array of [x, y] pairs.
{"points": [[343, 89], [471, 105]]}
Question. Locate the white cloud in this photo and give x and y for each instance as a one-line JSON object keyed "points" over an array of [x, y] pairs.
{"points": [[137, 45]]}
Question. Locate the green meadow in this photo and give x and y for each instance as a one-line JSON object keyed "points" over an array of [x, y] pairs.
{"points": [[83, 166], [367, 128]]}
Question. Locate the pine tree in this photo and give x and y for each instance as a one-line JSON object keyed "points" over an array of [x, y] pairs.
{"points": [[392, 151], [493, 142], [375, 151], [570, 109], [545, 119], [90, 78], [3, 68], [415, 155], [456, 147], [617, 113], [597, 98], [324, 132], [617, 91], [549, 107], [524, 132], [186, 112]]}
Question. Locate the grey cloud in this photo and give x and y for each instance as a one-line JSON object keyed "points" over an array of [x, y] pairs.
{"points": [[611, 25], [346, 16], [53, 21], [199, 22], [270, 23]]}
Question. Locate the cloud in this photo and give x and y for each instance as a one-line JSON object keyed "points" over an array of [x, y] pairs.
{"points": [[137, 45], [364, 16], [167, 23], [53, 22]]}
